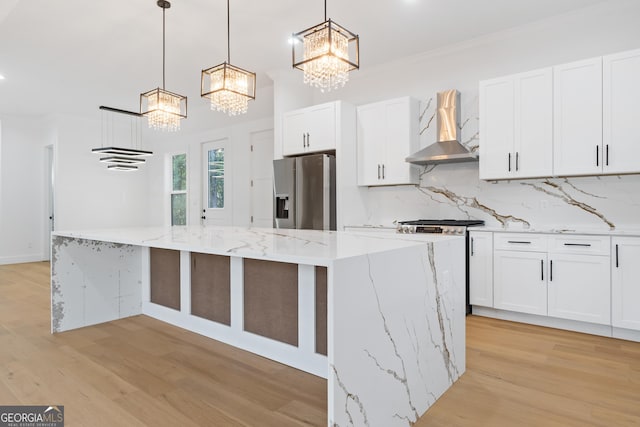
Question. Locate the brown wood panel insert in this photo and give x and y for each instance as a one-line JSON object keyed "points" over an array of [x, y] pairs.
{"points": [[165, 277], [210, 287], [321, 310], [271, 299]]}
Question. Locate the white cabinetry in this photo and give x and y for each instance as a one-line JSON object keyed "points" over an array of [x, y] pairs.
{"points": [[621, 112], [481, 268], [520, 282], [577, 129], [625, 286], [309, 130], [579, 278], [516, 126], [387, 133]]}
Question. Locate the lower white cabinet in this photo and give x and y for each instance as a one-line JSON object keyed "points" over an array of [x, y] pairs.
{"points": [[520, 282], [567, 277], [625, 285], [481, 268], [579, 287]]}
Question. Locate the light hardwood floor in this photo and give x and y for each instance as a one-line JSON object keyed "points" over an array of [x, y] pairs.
{"points": [[140, 371]]}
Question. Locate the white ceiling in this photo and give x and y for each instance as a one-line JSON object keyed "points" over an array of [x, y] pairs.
{"points": [[71, 56]]}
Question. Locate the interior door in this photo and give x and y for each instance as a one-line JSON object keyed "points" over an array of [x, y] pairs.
{"points": [[217, 201], [50, 198], [261, 204]]}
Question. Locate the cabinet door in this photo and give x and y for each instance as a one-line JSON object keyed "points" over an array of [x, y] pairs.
{"points": [[496, 128], [580, 287], [520, 281], [481, 268], [321, 127], [401, 141], [294, 133], [621, 112], [577, 112], [625, 286], [533, 124], [371, 142]]}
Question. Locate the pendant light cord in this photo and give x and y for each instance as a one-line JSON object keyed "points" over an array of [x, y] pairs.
{"points": [[229, 36], [163, 46], [325, 10]]}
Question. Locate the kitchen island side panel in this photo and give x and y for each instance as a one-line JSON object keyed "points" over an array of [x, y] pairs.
{"points": [[93, 282], [396, 333]]}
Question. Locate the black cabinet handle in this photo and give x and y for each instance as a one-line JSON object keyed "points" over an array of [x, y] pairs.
{"points": [[378, 171], [308, 139], [382, 171], [542, 269], [517, 155], [519, 241], [509, 162], [472, 246], [607, 155], [203, 217], [551, 271], [617, 265], [597, 155], [586, 245]]}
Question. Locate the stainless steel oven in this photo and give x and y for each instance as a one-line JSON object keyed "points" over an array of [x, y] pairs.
{"points": [[444, 226]]}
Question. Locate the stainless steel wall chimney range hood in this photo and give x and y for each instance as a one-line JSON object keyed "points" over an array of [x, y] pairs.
{"points": [[447, 149]]}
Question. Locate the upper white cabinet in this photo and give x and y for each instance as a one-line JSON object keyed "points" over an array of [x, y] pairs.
{"points": [[481, 268], [516, 126], [577, 129], [621, 112], [309, 130], [625, 282], [387, 133], [578, 119]]}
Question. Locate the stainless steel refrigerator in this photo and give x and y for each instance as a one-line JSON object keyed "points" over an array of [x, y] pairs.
{"points": [[305, 192]]}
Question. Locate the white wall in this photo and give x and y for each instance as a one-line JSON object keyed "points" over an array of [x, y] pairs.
{"points": [[455, 190], [22, 190], [87, 195]]}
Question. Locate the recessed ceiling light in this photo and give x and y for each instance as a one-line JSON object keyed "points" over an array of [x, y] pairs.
{"points": [[1, 77], [293, 40]]}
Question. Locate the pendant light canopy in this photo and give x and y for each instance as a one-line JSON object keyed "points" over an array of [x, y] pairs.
{"points": [[163, 109], [229, 88], [326, 53]]}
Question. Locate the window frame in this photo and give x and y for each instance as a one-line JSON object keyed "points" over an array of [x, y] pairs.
{"points": [[171, 192]]}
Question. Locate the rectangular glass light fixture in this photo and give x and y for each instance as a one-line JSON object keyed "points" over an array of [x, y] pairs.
{"points": [[164, 109], [228, 87], [121, 151], [326, 53]]}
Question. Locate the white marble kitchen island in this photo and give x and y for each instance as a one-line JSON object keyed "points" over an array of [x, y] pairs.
{"points": [[393, 337]]}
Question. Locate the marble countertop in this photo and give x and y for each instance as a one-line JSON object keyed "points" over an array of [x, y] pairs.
{"points": [[286, 245]]}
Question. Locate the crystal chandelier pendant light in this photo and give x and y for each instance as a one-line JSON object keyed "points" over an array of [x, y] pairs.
{"points": [[229, 88], [163, 109], [326, 53]]}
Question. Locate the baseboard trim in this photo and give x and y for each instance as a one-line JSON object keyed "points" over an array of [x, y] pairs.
{"points": [[552, 322], [21, 259]]}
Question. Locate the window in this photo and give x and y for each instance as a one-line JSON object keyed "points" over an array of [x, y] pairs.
{"points": [[216, 178], [179, 189]]}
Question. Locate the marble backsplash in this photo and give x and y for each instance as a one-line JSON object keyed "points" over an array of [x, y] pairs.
{"points": [[455, 191]]}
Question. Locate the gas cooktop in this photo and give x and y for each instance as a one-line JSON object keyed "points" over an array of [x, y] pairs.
{"points": [[437, 226], [454, 222]]}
